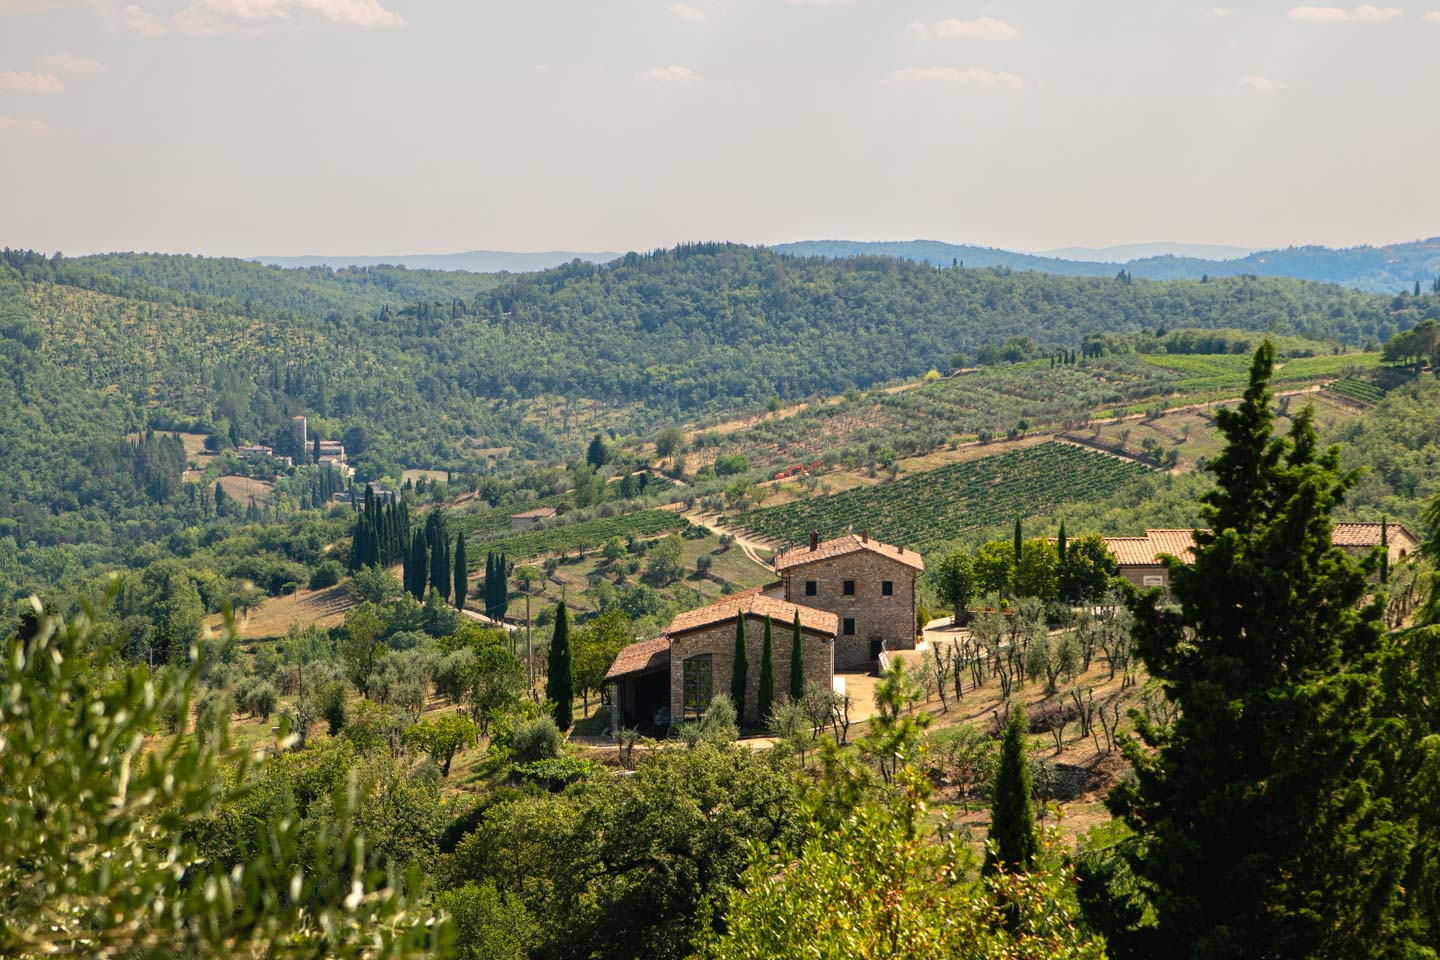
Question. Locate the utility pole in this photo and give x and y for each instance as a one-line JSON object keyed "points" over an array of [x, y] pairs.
{"points": [[529, 648]]}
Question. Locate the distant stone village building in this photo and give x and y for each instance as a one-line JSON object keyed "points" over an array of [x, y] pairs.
{"points": [[1139, 557], [528, 519], [855, 597]]}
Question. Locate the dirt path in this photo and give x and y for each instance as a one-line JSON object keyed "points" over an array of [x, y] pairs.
{"points": [[748, 544]]}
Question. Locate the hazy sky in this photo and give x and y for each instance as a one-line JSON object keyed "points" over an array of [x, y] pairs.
{"points": [[414, 126]]}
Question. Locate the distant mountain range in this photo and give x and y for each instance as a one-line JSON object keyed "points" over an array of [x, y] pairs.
{"points": [[1392, 268], [474, 261], [1139, 251]]}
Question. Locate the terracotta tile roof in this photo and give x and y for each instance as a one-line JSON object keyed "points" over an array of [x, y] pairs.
{"points": [[647, 656], [1145, 551], [535, 514], [841, 546], [758, 605], [1368, 535]]}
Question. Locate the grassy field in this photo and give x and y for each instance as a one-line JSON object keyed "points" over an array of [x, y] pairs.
{"points": [[243, 489]]}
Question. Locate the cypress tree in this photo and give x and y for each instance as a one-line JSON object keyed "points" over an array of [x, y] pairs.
{"points": [[1268, 822], [1384, 549], [462, 575], [559, 685], [739, 677], [1019, 539], [1060, 544], [765, 697], [418, 574], [797, 663], [1013, 842]]}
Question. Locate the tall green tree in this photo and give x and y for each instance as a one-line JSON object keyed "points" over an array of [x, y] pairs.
{"points": [[596, 454], [797, 662], [417, 567], [1013, 842], [462, 572], [1060, 543], [955, 578], [1019, 541], [1266, 818], [739, 676], [765, 696], [559, 683]]}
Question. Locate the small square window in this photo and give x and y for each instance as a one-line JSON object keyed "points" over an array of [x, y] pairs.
{"points": [[849, 588], [809, 588], [887, 588], [848, 627]]}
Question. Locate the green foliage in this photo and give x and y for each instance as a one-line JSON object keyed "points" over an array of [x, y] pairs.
{"points": [[489, 925], [765, 697], [955, 578], [939, 505], [1087, 571], [1269, 818], [442, 737], [96, 855], [797, 661], [1012, 844], [560, 680], [534, 740], [740, 669]]}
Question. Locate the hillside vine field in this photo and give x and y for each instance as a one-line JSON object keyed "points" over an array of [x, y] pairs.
{"points": [[931, 508], [582, 535]]}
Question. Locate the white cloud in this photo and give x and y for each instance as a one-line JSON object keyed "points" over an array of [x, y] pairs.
{"points": [[1259, 84], [1433, 16], [820, 3], [982, 28], [24, 81], [67, 63], [1365, 13], [668, 75], [968, 77], [132, 18], [16, 125], [1220, 12], [685, 13], [213, 17]]}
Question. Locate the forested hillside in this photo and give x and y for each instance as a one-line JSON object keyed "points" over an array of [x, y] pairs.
{"points": [[451, 371]]}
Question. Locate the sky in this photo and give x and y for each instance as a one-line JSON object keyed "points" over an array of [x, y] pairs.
{"points": [[286, 127]]}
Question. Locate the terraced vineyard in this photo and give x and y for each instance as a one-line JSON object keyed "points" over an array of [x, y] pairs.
{"points": [[932, 507], [1366, 391], [578, 536]]}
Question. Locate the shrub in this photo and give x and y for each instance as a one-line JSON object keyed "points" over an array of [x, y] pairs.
{"points": [[533, 740], [326, 575]]}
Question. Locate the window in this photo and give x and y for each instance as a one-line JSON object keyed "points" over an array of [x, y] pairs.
{"points": [[847, 626], [809, 588], [849, 588], [699, 678], [887, 588]]}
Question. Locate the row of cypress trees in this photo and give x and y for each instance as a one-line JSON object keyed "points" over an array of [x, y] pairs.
{"points": [[495, 590], [740, 678], [432, 563], [381, 536]]}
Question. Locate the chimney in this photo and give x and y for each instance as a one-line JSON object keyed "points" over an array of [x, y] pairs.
{"points": [[814, 539], [864, 536]]}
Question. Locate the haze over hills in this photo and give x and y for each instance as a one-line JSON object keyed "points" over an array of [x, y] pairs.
{"points": [[1120, 253], [474, 261], [1392, 268]]}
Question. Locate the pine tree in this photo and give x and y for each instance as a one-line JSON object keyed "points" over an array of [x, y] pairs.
{"points": [[797, 663], [739, 677], [1013, 841], [462, 575], [596, 454], [1267, 820], [765, 697], [559, 684]]}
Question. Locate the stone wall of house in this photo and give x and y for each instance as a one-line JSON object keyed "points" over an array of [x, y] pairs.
{"points": [[877, 617], [1147, 576], [816, 651]]}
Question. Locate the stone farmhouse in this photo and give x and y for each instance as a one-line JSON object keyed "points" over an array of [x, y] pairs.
{"points": [[855, 597], [1139, 557], [872, 587]]}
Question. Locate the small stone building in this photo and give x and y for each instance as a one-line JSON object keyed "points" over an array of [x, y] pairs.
{"points": [[870, 587], [528, 519], [694, 659]]}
